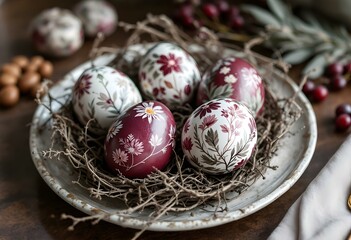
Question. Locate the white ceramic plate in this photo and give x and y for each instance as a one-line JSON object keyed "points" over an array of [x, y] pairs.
{"points": [[292, 158]]}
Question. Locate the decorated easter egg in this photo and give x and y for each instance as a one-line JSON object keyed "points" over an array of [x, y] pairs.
{"points": [[141, 140], [101, 94], [233, 78], [96, 16], [219, 136], [169, 74], [57, 32]]}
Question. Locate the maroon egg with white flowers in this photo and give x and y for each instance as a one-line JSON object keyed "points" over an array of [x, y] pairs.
{"points": [[141, 140], [234, 78]]}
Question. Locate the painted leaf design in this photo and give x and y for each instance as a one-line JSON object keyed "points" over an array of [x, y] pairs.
{"points": [[155, 75], [195, 160], [208, 160], [223, 91], [91, 109], [147, 62], [99, 76], [211, 138], [168, 84], [224, 128], [113, 111], [242, 151]]}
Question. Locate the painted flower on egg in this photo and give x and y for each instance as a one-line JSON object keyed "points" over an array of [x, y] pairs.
{"points": [[169, 64]]}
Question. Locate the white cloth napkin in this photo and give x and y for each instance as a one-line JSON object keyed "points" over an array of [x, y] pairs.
{"points": [[321, 212]]}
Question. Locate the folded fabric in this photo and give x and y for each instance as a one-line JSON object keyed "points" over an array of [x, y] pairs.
{"points": [[322, 212]]}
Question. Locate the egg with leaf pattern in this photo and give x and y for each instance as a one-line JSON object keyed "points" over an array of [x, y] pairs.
{"points": [[100, 95], [235, 78], [219, 136], [140, 140], [168, 74]]}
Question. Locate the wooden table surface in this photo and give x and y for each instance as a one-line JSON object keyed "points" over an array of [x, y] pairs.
{"points": [[29, 209]]}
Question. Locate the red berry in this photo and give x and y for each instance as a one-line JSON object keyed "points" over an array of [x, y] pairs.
{"points": [[337, 83], [343, 122], [188, 21], [223, 6], [186, 10], [347, 68], [335, 69], [319, 93], [233, 11], [210, 10], [308, 87], [344, 108], [236, 22]]}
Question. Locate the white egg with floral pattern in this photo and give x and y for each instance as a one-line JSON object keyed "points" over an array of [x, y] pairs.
{"points": [[219, 136], [57, 32], [169, 74], [100, 95], [141, 140]]}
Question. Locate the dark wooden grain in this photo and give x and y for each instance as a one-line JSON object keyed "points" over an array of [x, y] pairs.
{"points": [[29, 209]]}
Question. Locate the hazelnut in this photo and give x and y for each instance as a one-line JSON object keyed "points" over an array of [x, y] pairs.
{"points": [[37, 60], [28, 81], [46, 69], [9, 96], [32, 67], [21, 61], [12, 69], [7, 79]]}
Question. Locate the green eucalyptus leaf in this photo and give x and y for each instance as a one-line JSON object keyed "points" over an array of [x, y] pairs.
{"points": [[315, 67], [343, 33], [262, 16], [324, 47], [278, 8], [298, 56], [336, 54]]}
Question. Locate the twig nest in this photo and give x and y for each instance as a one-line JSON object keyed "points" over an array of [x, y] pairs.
{"points": [[57, 32], [168, 74], [219, 136], [141, 140], [96, 16], [102, 94], [233, 78]]}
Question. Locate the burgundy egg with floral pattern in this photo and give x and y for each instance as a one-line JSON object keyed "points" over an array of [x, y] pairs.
{"points": [[235, 78], [219, 136], [169, 74], [141, 140], [100, 95]]}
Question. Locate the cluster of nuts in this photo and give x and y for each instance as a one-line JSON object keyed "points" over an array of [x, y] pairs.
{"points": [[22, 76]]}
